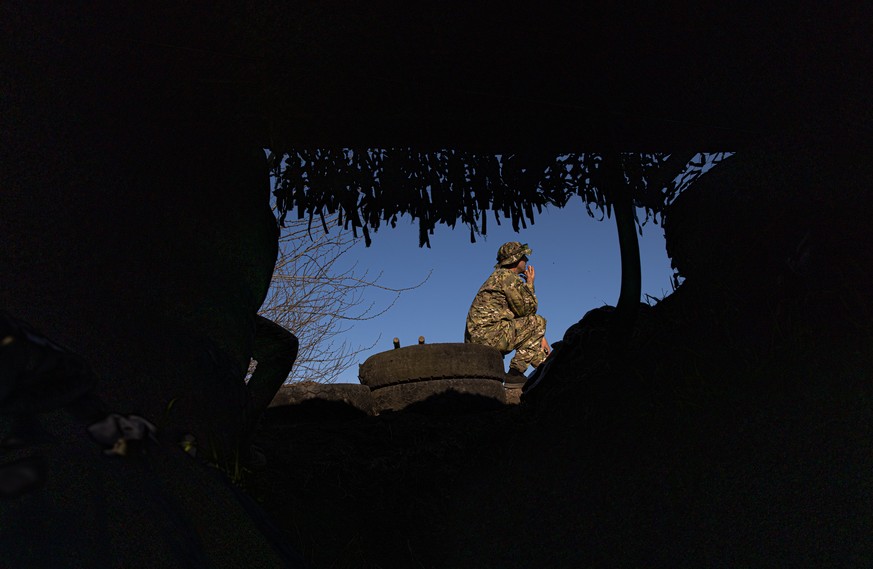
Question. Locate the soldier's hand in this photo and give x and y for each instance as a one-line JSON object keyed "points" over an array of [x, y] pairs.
{"points": [[529, 274], [546, 347]]}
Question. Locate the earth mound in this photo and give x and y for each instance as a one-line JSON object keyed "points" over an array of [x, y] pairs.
{"points": [[734, 430]]}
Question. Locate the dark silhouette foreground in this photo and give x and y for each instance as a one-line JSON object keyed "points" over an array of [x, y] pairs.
{"points": [[733, 430], [135, 230]]}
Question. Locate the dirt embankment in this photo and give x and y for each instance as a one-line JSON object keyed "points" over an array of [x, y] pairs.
{"points": [[734, 431], [700, 458]]}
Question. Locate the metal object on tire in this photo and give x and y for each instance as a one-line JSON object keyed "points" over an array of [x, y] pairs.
{"points": [[426, 362], [444, 396]]}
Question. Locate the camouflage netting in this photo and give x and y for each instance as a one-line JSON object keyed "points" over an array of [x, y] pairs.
{"points": [[367, 187]]}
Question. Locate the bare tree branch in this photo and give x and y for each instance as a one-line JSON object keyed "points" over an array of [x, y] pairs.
{"points": [[315, 295]]}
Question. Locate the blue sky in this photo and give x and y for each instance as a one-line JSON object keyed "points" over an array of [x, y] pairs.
{"points": [[577, 264]]}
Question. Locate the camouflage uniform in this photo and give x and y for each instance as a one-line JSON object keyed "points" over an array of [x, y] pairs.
{"points": [[503, 313]]}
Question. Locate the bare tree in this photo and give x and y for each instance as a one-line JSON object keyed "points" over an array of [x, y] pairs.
{"points": [[318, 295]]}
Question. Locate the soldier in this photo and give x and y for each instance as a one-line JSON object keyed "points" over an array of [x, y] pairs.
{"points": [[504, 313]]}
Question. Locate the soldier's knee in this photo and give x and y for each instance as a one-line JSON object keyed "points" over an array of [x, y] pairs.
{"points": [[540, 325], [274, 341], [293, 345], [288, 346]]}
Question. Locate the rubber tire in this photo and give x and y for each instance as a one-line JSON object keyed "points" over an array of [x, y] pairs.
{"points": [[426, 362], [357, 396], [442, 396]]}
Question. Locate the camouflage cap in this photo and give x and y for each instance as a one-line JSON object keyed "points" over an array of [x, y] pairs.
{"points": [[510, 253]]}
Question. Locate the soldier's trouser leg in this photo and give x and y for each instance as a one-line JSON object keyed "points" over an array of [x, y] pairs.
{"points": [[529, 334], [499, 336], [275, 350]]}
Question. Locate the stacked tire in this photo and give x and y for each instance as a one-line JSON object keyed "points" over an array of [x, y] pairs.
{"points": [[449, 377]]}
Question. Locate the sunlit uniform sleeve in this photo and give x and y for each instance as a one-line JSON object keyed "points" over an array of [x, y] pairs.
{"points": [[520, 296], [502, 298]]}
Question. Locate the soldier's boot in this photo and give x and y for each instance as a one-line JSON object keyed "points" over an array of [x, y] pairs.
{"points": [[515, 379]]}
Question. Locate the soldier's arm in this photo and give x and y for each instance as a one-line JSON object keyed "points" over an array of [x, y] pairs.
{"points": [[522, 301], [530, 298]]}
